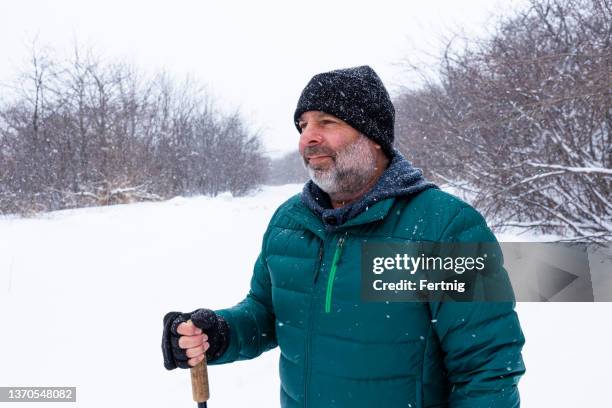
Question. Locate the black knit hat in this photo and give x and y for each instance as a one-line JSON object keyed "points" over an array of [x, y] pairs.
{"points": [[355, 95]]}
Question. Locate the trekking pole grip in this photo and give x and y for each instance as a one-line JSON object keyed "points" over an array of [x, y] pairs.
{"points": [[199, 382]]}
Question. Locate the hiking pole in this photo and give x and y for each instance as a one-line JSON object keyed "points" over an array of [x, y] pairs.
{"points": [[199, 383]]}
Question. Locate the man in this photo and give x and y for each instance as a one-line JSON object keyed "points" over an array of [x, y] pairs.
{"points": [[337, 351]]}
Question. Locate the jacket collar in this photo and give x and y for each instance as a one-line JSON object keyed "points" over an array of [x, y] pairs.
{"points": [[312, 222], [399, 179]]}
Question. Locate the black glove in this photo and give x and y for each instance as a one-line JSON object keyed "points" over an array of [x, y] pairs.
{"points": [[215, 327]]}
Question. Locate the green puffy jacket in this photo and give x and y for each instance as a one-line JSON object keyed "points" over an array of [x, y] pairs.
{"points": [[337, 351]]}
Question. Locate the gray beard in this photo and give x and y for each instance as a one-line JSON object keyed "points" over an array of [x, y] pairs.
{"points": [[353, 168]]}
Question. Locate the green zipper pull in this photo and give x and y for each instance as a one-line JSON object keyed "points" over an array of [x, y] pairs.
{"points": [[332, 274]]}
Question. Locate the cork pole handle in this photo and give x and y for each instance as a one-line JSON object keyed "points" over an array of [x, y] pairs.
{"points": [[199, 382]]}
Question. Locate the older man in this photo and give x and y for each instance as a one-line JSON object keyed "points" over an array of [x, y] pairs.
{"points": [[336, 350]]}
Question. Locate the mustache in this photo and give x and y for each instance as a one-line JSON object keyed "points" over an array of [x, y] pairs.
{"points": [[318, 151]]}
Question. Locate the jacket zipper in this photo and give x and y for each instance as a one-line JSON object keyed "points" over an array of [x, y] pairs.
{"points": [[310, 324], [332, 273], [318, 264]]}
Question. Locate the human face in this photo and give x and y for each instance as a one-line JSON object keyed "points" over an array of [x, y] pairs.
{"points": [[322, 136], [339, 159]]}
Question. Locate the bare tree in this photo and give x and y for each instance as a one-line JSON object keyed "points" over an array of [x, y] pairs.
{"points": [[86, 132], [524, 118]]}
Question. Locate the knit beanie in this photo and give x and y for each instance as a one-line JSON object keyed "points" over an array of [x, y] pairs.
{"points": [[355, 95]]}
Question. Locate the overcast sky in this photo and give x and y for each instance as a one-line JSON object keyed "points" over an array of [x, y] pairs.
{"points": [[256, 55]]}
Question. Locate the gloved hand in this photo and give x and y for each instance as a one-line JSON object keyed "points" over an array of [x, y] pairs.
{"points": [[213, 325]]}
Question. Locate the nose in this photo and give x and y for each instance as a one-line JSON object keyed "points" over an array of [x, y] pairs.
{"points": [[310, 136]]}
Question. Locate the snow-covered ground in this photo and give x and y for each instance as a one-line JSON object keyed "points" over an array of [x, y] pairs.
{"points": [[83, 292]]}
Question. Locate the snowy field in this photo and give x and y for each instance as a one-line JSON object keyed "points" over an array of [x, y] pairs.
{"points": [[83, 292]]}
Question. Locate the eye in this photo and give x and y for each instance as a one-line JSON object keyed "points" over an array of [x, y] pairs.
{"points": [[302, 125]]}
